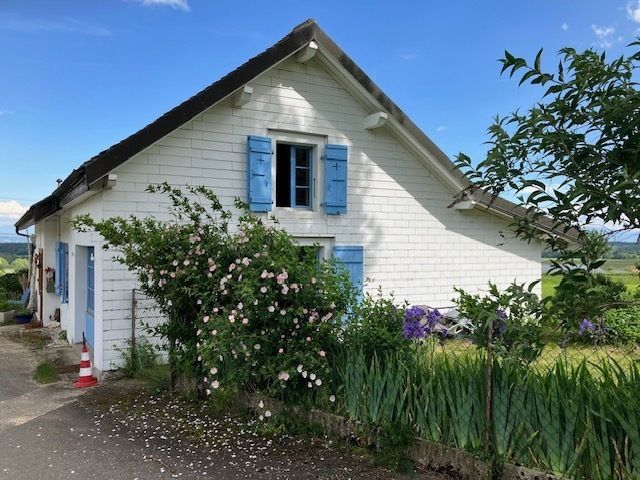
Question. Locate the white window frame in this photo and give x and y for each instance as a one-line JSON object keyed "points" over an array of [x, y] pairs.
{"points": [[317, 144], [325, 244]]}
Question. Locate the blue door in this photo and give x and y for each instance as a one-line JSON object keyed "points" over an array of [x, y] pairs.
{"points": [[90, 323]]}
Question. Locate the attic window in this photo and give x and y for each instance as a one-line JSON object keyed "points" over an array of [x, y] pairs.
{"points": [[294, 176]]}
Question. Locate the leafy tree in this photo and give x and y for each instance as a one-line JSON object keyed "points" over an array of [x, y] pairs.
{"points": [[20, 264], [575, 155]]}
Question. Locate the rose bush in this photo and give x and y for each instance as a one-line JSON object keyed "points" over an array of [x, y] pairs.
{"points": [[272, 316], [247, 307]]}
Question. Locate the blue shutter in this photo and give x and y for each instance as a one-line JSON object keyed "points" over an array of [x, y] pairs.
{"points": [[259, 173], [58, 268], [65, 273], [335, 174], [352, 257]]}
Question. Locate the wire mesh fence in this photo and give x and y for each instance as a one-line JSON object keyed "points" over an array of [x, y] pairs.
{"points": [[146, 317], [572, 409]]}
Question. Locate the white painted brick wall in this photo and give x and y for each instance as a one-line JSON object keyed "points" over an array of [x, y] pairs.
{"points": [[414, 245]]}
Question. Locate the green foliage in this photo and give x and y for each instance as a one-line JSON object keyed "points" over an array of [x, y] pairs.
{"points": [[515, 315], [576, 421], [582, 292], [20, 264], [4, 305], [45, 373], [272, 322], [136, 361], [624, 323], [581, 295], [395, 439], [439, 397], [10, 284], [582, 137], [375, 327]]}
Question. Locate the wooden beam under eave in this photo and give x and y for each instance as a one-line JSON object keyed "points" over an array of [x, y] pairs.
{"points": [[465, 205], [242, 96], [307, 53], [375, 120]]}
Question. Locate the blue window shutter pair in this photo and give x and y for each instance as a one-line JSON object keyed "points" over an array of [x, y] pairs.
{"points": [[352, 257], [259, 151], [335, 175]]}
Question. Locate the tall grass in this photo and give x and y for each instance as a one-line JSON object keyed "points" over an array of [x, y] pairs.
{"points": [[575, 420]]}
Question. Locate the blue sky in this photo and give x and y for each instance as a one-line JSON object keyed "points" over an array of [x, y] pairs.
{"points": [[78, 76]]}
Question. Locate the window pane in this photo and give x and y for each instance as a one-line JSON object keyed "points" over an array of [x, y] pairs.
{"points": [[302, 157], [302, 197], [283, 175], [302, 177]]}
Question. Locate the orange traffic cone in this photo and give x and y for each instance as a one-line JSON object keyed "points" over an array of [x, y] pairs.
{"points": [[85, 377]]}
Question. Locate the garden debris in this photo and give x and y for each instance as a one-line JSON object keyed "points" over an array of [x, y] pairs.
{"points": [[186, 438]]}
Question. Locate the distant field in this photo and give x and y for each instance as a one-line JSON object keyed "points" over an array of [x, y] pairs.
{"points": [[614, 265], [631, 280]]}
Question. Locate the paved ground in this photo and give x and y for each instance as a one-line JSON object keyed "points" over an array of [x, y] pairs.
{"points": [[117, 431]]}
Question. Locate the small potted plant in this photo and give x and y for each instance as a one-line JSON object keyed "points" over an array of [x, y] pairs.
{"points": [[23, 315]]}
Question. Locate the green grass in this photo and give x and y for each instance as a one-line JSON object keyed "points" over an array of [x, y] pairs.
{"points": [[631, 281], [45, 373], [573, 354]]}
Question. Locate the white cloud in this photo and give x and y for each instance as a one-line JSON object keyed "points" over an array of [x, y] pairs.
{"points": [[175, 4], [408, 56], [564, 26], [23, 24], [441, 128], [604, 35], [10, 211], [633, 9]]}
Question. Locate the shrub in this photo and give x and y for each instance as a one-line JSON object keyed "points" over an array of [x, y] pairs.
{"points": [[272, 322], [581, 295], [375, 327], [624, 322], [515, 315], [10, 284]]}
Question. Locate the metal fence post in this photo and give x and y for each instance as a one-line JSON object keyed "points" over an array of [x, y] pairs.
{"points": [[489, 388], [134, 305]]}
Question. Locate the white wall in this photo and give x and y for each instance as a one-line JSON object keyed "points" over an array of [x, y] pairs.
{"points": [[46, 237], [414, 245]]}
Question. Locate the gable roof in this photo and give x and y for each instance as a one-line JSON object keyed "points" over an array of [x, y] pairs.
{"points": [[100, 165]]}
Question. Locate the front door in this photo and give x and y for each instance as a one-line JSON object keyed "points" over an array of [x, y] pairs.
{"points": [[90, 323]]}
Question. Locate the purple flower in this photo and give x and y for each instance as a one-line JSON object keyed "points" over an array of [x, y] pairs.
{"points": [[413, 329], [433, 318], [586, 326], [414, 314]]}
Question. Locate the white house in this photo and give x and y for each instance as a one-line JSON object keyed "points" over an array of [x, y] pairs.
{"points": [[301, 132]]}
